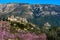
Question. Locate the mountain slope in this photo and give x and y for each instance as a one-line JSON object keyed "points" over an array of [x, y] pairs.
{"points": [[38, 14]]}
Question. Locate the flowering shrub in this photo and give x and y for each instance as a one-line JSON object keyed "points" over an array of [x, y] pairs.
{"points": [[22, 36], [5, 34]]}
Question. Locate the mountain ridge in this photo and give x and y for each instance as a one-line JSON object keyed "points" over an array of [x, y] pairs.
{"points": [[35, 13]]}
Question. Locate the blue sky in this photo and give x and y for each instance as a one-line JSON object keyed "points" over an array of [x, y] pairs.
{"points": [[57, 2]]}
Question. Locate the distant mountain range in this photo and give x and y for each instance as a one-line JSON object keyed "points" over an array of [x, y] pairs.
{"points": [[38, 14]]}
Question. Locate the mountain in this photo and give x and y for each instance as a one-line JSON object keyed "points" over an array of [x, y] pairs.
{"points": [[5, 8], [38, 14]]}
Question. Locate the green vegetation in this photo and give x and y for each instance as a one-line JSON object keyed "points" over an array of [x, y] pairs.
{"points": [[23, 26], [52, 33]]}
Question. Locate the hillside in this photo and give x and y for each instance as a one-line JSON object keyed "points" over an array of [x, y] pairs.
{"points": [[38, 14]]}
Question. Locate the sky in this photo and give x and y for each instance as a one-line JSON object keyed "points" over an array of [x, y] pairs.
{"points": [[57, 2]]}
